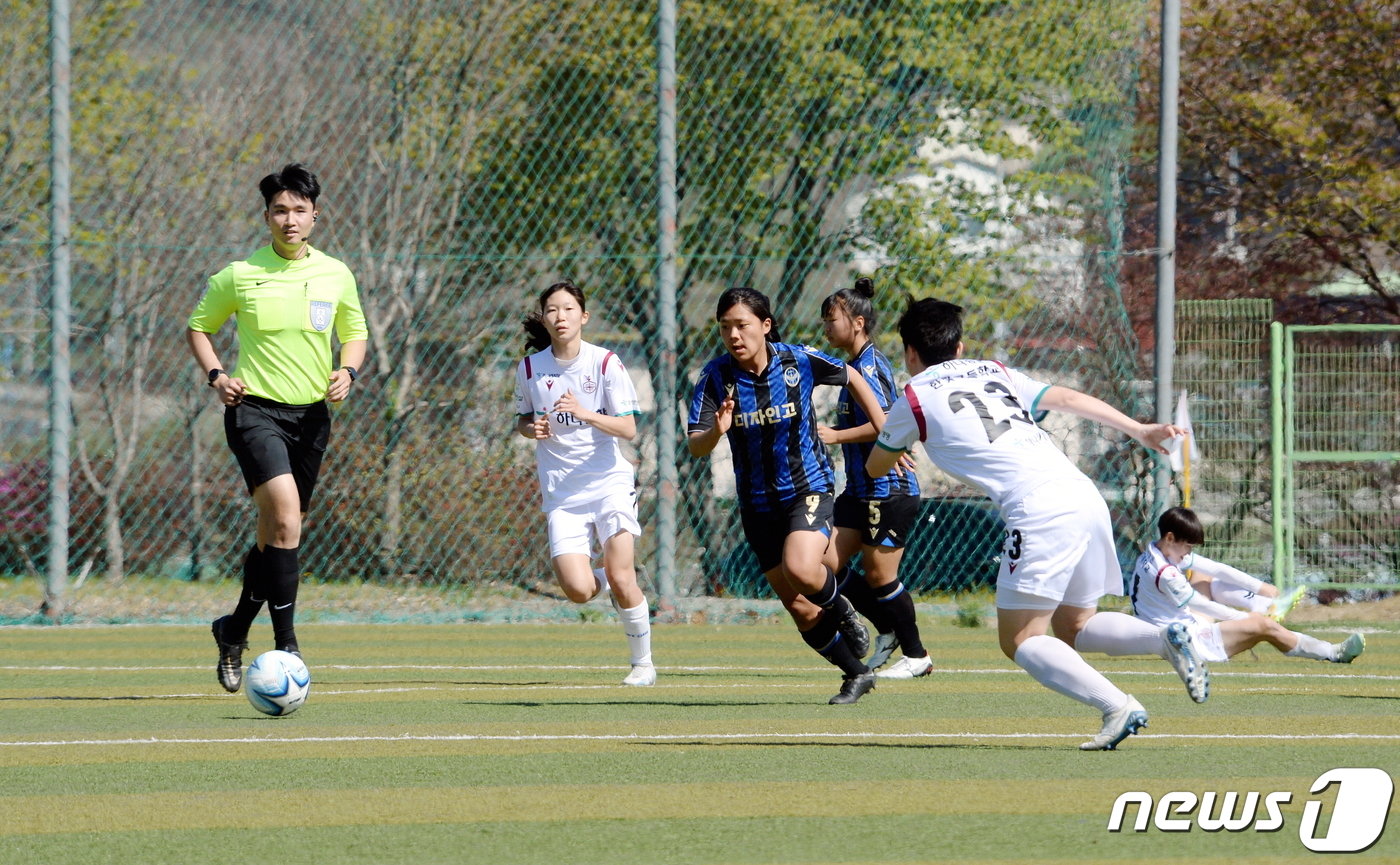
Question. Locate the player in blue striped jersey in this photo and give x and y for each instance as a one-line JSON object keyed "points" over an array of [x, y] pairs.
{"points": [[873, 516], [759, 395]]}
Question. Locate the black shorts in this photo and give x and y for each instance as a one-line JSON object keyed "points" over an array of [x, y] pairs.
{"points": [[881, 522], [269, 439], [766, 531]]}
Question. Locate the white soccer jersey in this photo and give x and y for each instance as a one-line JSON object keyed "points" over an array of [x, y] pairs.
{"points": [[577, 463], [1161, 594], [973, 417]]}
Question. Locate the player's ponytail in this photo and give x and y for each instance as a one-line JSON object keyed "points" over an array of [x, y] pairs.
{"points": [[856, 301], [536, 333], [537, 336]]}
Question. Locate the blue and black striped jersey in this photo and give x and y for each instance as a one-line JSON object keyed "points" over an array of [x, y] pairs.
{"points": [[777, 454], [877, 371]]}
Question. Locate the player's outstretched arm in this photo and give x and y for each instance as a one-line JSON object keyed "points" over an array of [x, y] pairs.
{"points": [[1152, 436], [701, 442]]}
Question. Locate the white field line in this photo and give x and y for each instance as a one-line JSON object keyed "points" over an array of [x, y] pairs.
{"points": [[878, 736], [1216, 670]]}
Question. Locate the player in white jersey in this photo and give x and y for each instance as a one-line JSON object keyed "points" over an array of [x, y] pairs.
{"points": [[1232, 587], [575, 400], [974, 420], [1161, 594]]}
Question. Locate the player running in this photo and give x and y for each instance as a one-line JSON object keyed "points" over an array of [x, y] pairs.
{"points": [[287, 298], [575, 400], [873, 516], [759, 395], [974, 419], [1162, 595]]}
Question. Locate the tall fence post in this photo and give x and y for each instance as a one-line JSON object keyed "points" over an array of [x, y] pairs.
{"points": [[1166, 232], [667, 432], [60, 275]]}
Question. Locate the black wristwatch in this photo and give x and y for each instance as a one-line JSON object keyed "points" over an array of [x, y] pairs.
{"points": [[354, 373], [214, 376]]}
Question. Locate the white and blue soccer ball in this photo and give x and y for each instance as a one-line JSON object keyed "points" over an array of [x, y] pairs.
{"points": [[277, 683]]}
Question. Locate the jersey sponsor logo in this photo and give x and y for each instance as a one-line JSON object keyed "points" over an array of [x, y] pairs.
{"points": [[771, 414], [1357, 821], [791, 376], [322, 313]]}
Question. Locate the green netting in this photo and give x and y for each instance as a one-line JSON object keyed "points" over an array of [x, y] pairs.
{"points": [[1222, 362], [473, 152], [1342, 456]]}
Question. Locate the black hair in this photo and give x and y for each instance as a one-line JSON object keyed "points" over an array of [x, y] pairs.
{"points": [[755, 301], [933, 328], [536, 331], [856, 301], [1183, 524], [294, 178]]}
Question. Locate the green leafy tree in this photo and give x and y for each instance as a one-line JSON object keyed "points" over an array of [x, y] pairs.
{"points": [[1291, 134]]}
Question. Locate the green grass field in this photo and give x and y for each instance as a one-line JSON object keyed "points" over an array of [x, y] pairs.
{"points": [[515, 744]]}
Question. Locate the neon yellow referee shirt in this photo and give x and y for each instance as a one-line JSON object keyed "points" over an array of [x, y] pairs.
{"points": [[285, 312]]}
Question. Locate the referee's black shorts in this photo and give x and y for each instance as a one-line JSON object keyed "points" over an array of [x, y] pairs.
{"points": [[269, 439]]}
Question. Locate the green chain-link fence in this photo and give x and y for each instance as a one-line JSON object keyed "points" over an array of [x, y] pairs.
{"points": [[473, 152], [1223, 364]]}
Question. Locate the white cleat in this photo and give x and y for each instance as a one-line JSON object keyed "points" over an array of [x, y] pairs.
{"points": [[907, 668], [1118, 726], [1350, 649], [642, 675], [1284, 603], [1180, 650]]}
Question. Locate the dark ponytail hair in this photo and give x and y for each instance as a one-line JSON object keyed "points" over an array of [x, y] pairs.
{"points": [[857, 302], [536, 331], [755, 301]]}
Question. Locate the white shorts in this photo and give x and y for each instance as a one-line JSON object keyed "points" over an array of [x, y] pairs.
{"points": [[1209, 642], [573, 529], [1059, 550]]}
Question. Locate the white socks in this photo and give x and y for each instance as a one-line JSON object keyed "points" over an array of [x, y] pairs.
{"points": [[1239, 597], [1119, 634], [602, 577], [1055, 665], [1312, 647], [636, 623]]}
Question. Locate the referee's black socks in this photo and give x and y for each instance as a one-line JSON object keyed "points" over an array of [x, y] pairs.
{"points": [[283, 576], [250, 599]]}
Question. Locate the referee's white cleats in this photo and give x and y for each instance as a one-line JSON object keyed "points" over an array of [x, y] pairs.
{"points": [[642, 675], [1180, 649], [1118, 726]]}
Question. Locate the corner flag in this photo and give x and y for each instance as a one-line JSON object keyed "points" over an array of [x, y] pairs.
{"points": [[1183, 451]]}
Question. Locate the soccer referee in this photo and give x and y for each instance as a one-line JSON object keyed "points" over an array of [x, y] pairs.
{"points": [[286, 297]]}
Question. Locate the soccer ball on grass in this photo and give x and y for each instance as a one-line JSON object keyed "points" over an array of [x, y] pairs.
{"points": [[277, 683]]}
